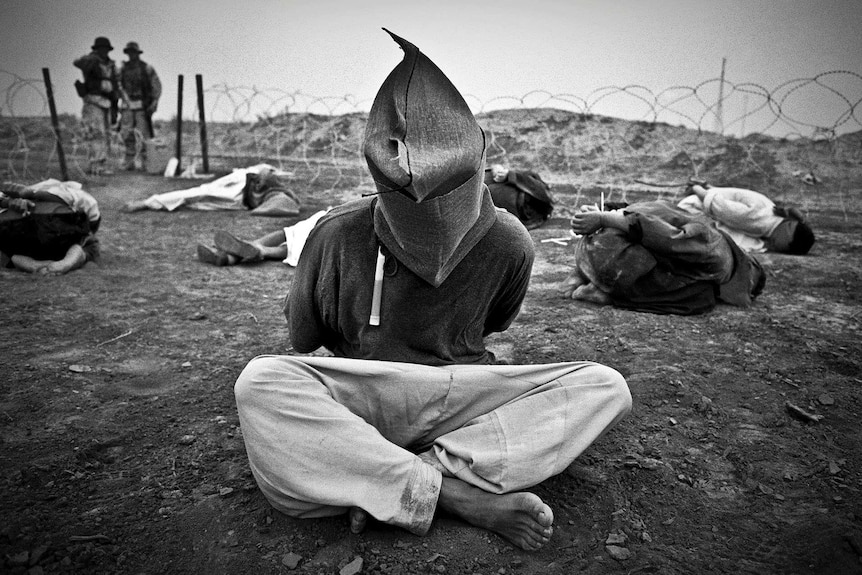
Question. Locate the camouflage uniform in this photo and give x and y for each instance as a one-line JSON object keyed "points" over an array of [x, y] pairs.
{"points": [[143, 88], [101, 91]]}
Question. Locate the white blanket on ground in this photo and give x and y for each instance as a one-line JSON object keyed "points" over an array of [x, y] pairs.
{"points": [[296, 235], [224, 193]]}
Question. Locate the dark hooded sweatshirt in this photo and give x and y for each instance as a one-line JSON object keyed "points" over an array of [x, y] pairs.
{"points": [[330, 298]]}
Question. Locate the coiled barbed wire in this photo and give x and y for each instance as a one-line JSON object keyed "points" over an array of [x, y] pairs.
{"points": [[322, 134]]}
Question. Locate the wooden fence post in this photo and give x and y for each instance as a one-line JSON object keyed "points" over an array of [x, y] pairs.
{"points": [[55, 123], [204, 147], [179, 149]]}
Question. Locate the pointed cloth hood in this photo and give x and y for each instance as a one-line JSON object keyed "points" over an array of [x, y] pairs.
{"points": [[426, 153]]}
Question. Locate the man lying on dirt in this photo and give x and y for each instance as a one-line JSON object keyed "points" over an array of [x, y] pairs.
{"points": [[655, 257], [259, 189], [284, 245], [412, 415], [754, 221], [520, 192], [48, 228]]}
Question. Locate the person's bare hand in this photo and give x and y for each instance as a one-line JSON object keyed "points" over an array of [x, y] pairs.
{"points": [[585, 223], [21, 205]]}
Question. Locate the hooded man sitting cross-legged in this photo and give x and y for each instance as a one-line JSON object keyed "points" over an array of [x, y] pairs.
{"points": [[412, 414]]}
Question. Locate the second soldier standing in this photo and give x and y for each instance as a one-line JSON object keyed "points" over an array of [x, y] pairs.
{"points": [[143, 87]]}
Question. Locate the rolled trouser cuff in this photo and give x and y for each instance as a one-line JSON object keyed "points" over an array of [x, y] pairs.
{"points": [[419, 499]]}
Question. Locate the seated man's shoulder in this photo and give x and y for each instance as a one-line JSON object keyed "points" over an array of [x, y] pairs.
{"points": [[509, 232], [347, 216]]}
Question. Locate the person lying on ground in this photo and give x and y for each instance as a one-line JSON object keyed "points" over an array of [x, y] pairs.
{"points": [[284, 245], [413, 415], [48, 228], [754, 221], [522, 193], [654, 257], [259, 189]]}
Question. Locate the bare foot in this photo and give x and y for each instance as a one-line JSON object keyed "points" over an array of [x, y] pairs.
{"points": [[589, 292], [358, 520], [135, 206], [571, 283], [521, 518]]}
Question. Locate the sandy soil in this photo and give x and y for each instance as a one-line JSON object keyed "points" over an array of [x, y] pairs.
{"points": [[121, 451]]}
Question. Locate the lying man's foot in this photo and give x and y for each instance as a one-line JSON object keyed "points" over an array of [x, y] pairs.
{"points": [[589, 292], [240, 248], [135, 206], [568, 286], [214, 256], [521, 518]]}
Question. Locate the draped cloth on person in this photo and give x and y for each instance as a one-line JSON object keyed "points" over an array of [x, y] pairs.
{"points": [[225, 193]]}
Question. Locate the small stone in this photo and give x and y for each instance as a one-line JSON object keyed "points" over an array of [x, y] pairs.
{"points": [[352, 568], [618, 553], [21, 558], [826, 399], [37, 554], [77, 368], [187, 439], [208, 489], [225, 491], [291, 560]]}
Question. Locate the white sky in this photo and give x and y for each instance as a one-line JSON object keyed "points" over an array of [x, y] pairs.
{"points": [[488, 48]]}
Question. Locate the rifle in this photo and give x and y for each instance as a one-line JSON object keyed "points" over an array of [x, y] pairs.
{"points": [[149, 119], [115, 109], [147, 99]]}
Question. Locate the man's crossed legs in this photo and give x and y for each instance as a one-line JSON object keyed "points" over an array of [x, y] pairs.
{"points": [[397, 441]]}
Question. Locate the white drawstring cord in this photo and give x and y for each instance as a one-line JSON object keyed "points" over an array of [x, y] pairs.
{"points": [[378, 289]]}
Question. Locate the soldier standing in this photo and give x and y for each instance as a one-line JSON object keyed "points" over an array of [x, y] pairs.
{"points": [[101, 93], [143, 87]]}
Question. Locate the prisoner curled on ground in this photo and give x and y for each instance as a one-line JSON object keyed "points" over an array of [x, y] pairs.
{"points": [[260, 189], [522, 193], [284, 245], [655, 257], [49, 227], [754, 221], [413, 415]]}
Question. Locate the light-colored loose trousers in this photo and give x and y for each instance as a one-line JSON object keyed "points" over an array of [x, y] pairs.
{"points": [[324, 434]]}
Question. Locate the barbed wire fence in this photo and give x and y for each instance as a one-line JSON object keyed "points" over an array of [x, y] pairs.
{"points": [[566, 137]]}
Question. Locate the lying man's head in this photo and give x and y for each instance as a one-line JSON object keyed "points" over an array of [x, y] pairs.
{"points": [[792, 236]]}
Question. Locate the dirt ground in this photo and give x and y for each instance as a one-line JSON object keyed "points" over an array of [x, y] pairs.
{"points": [[121, 451]]}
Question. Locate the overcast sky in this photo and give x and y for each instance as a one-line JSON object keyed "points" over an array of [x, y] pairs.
{"points": [[488, 48]]}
